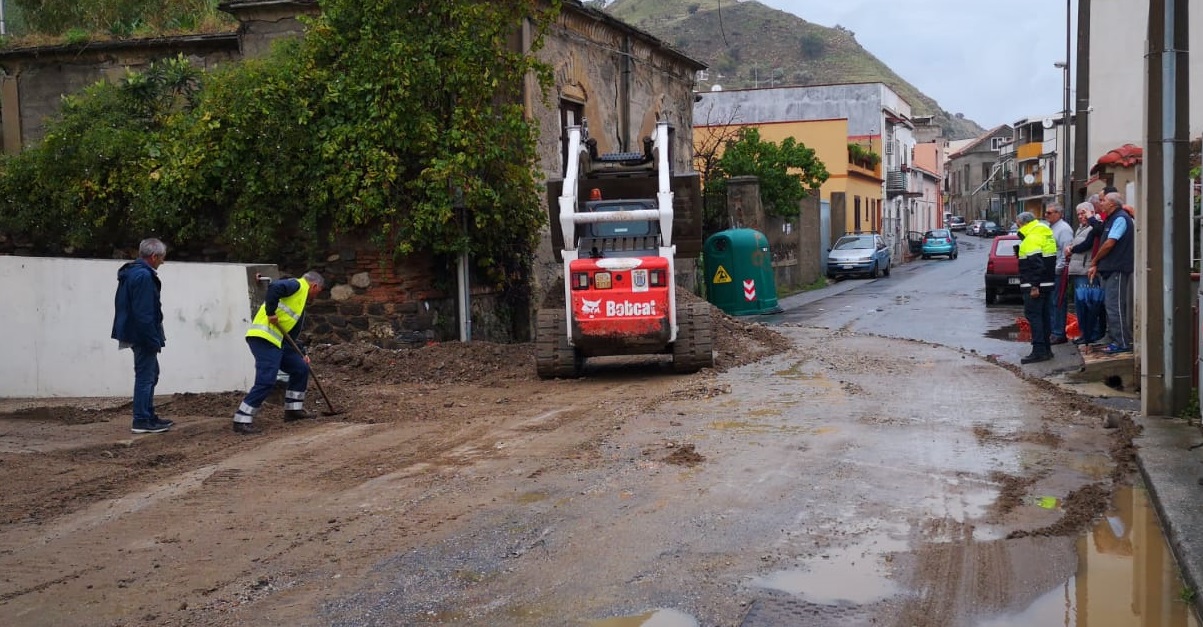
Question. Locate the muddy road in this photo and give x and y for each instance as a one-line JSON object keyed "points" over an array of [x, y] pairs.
{"points": [[822, 474]]}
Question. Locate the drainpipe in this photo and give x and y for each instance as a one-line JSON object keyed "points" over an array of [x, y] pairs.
{"points": [[1165, 322], [624, 97], [3, 27]]}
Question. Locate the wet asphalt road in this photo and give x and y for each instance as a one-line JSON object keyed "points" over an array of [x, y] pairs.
{"points": [[936, 300]]}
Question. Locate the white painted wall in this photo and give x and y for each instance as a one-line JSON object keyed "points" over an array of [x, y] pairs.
{"points": [[58, 315], [1118, 30]]}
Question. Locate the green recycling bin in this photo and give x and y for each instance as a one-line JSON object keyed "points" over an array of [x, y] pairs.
{"points": [[739, 273]]}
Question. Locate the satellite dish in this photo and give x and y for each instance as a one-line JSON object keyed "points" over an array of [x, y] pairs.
{"points": [[1047, 123], [1028, 179]]}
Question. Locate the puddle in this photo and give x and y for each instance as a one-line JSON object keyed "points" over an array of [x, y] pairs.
{"points": [[527, 498], [1010, 333], [858, 574], [1125, 576], [655, 618]]}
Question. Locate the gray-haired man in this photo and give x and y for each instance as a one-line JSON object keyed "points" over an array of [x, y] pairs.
{"points": [[1115, 262]]}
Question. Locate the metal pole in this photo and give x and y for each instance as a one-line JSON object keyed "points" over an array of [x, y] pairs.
{"points": [[3, 28], [1065, 126]]}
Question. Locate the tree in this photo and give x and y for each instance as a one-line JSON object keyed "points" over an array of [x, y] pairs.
{"points": [[787, 171], [398, 118], [709, 140]]}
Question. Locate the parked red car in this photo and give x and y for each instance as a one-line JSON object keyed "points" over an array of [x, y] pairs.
{"points": [[1002, 268]]}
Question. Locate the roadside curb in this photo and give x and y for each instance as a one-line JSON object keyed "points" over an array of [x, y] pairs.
{"points": [[1171, 472]]}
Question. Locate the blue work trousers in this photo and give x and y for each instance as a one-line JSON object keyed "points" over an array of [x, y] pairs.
{"points": [[1037, 309], [269, 361]]}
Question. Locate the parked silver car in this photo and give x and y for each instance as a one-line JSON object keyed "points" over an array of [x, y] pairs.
{"points": [[862, 254]]}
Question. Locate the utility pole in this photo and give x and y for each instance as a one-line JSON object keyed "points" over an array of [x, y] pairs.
{"points": [[1082, 98], [1165, 318]]}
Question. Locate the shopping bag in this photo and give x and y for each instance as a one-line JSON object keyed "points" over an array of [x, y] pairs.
{"points": [[1072, 330]]}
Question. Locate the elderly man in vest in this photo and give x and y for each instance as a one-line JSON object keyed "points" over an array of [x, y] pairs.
{"points": [[282, 311], [1037, 273], [1115, 262]]}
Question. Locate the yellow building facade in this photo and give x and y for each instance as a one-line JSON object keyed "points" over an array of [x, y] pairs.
{"points": [[860, 183]]}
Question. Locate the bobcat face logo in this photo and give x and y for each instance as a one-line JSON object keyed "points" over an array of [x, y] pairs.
{"points": [[590, 307]]}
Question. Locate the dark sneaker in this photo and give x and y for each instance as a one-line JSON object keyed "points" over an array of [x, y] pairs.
{"points": [[298, 414], [1058, 339], [149, 426], [164, 422], [246, 428], [1035, 357]]}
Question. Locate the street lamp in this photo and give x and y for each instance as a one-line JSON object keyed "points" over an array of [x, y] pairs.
{"points": [[1065, 191]]}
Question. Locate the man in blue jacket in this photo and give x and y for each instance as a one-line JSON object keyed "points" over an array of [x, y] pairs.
{"points": [[138, 325]]}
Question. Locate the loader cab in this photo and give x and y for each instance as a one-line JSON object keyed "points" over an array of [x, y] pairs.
{"points": [[639, 238]]}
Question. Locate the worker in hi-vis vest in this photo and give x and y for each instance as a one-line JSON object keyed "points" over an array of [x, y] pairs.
{"points": [[282, 311]]}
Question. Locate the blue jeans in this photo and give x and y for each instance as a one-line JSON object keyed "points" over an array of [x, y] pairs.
{"points": [[146, 377], [1037, 309], [1058, 307]]}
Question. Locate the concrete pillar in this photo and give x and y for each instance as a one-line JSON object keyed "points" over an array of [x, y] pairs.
{"points": [[743, 202], [809, 241]]}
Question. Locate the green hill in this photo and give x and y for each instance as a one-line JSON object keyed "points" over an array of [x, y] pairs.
{"points": [[747, 44]]}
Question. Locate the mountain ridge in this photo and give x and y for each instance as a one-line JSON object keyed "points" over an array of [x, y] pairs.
{"points": [[749, 44]]}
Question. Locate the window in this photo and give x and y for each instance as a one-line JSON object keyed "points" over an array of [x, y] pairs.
{"points": [[986, 167], [996, 143]]}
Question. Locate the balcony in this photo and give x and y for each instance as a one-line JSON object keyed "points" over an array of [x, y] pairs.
{"points": [[1028, 151], [1038, 190], [895, 181]]}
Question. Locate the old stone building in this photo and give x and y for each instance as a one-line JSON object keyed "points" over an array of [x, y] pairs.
{"points": [[609, 75]]}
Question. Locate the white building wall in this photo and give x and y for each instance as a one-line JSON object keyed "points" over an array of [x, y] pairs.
{"points": [[58, 318], [1118, 31]]}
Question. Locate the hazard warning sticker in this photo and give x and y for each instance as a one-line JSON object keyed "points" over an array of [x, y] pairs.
{"points": [[721, 276]]}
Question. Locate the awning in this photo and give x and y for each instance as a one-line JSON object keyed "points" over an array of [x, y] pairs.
{"points": [[1125, 156]]}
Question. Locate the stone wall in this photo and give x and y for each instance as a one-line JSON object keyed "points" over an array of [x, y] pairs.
{"points": [[370, 297], [34, 80], [623, 80]]}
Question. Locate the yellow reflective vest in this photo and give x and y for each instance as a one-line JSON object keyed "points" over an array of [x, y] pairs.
{"points": [[1037, 255], [288, 312]]}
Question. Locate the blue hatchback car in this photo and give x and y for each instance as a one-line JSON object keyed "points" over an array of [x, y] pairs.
{"points": [[939, 243]]}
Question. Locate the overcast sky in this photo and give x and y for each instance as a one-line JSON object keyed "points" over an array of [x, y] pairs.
{"points": [[988, 59]]}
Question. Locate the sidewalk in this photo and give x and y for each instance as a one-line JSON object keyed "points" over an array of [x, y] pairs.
{"points": [[1171, 472]]}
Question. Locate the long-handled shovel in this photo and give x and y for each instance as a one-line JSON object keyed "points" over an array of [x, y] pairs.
{"points": [[330, 411]]}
